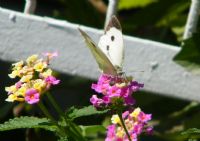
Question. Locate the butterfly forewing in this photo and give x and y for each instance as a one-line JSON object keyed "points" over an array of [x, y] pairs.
{"points": [[102, 60], [111, 43]]}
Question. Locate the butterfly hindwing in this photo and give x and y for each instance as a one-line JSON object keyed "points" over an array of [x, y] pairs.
{"points": [[102, 60]]}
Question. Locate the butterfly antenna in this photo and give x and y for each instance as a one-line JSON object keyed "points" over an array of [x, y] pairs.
{"points": [[137, 71]]}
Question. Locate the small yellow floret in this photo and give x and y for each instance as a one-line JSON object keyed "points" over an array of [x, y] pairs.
{"points": [[18, 64], [121, 85], [120, 132], [32, 59], [115, 119], [40, 66], [135, 113], [21, 91], [14, 74], [11, 89], [26, 78], [39, 85], [47, 73], [11, 98]]}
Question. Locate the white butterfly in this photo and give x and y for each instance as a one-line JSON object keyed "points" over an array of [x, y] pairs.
{"points": [[109, 54]]}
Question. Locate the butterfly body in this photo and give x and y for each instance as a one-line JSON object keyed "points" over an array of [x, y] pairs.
{"points": [[109, 53]]}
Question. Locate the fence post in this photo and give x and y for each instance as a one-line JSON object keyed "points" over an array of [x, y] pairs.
{"points": [[192, 19], [30, 6], [111, 10]]}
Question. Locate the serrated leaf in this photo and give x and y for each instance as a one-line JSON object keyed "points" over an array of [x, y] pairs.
{"points": [[28, 122], [191, 131], [92, 130], [86, 111], [189, 56]]}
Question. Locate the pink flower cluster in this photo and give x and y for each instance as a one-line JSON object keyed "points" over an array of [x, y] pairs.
{"points": [[136, 123], [114, 88]]}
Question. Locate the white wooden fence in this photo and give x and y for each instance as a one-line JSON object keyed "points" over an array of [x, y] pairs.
{"points": [[22, 35]]}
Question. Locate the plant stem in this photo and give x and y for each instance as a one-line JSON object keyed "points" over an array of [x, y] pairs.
{"points": [[73, 126], [60, 112], [45, 111], [54, 103], [124, 126]]}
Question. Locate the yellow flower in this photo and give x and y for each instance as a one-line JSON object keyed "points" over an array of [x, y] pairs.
{"points": [[39, 85], [14, 74], [135, 113], [40, 66], [11, 89], [121, 85], [120, 132], [32, 59], [18, 64], [26, 78], [115, 119], [21, 91], [11, 98], [47, 73]]}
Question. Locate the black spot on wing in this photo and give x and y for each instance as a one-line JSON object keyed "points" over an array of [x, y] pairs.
{"points": [[112, 38], [107, 47]]}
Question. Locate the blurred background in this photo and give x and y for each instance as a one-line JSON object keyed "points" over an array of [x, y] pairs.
{"points": [[158, 20]]}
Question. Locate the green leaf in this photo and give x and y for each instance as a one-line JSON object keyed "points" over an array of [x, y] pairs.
{"points": [[86, 111], [28, 122], [191, 131], [63, 139], [189, 56], [92, 130], [127, 4]]}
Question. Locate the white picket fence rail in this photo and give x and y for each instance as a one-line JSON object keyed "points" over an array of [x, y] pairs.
{"points": [[149, 62]]}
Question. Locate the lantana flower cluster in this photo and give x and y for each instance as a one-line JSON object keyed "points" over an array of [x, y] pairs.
{"points": [[135, 122], [35, 78], [116, 93], [112, 89]]}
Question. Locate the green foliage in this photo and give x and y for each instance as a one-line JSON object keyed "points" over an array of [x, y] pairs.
{"points": [[92, 130], [189, 56], [63, 139], [127, 4], [86, 111], [28, 122], [79, 11], [191, 131]]}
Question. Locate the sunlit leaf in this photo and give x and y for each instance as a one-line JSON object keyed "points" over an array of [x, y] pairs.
{"points": [[191, 131], [86, 111], [92, 130], [189, 56], [127, 4], [27, 122]]}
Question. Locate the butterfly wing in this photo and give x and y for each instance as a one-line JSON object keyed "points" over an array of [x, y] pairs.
{"points": [[102, 60], [111, 43]]}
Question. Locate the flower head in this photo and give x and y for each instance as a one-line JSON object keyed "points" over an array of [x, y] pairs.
{"points": [[133, 123], [114, 88], [34, 79]]}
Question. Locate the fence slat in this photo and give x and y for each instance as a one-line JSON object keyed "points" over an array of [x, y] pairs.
{"points": [[29, 34]]}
